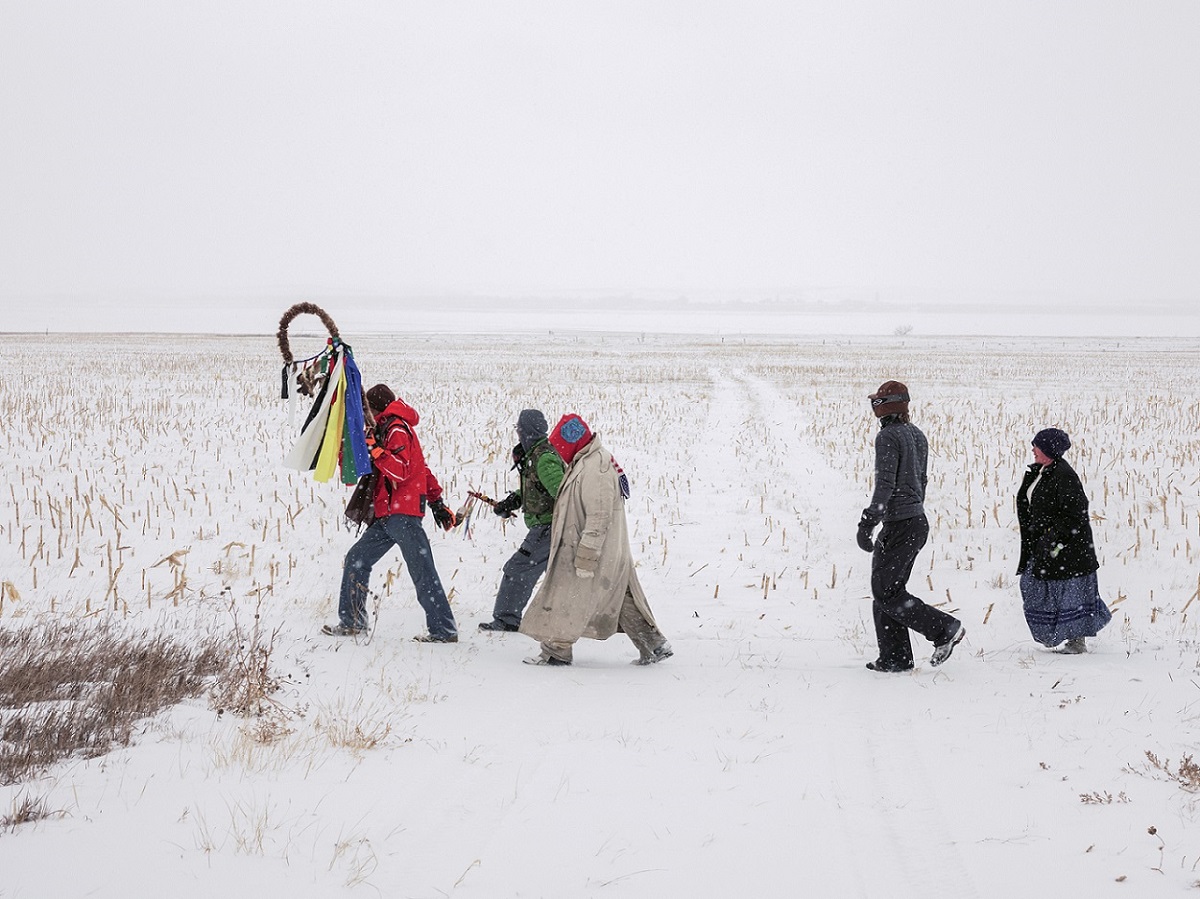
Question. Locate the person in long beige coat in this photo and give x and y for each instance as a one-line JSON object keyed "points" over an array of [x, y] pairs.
{"points": [[591, 588]]}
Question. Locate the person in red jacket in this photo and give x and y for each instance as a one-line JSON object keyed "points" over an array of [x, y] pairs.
{"points": [[404, 487]]}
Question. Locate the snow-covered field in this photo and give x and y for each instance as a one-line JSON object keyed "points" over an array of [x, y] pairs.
{"points": [[762, 760]]}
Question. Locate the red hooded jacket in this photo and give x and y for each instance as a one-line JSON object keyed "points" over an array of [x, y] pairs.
{"points": [[406, 483]]}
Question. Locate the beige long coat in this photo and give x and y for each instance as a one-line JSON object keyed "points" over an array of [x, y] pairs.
{"points": [[588, 531]]}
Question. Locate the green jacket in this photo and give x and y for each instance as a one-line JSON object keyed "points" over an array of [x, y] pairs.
{"points": [[541, 472]]}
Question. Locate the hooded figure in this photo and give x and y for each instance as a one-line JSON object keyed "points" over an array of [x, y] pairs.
{"points": [[541, 472], [591, 588], [404, 488]]}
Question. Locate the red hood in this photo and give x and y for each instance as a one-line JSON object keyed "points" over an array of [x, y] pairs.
{"points": [[403, 410], [569, 436]]}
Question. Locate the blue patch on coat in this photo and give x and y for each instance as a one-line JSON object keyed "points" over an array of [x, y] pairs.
{"points": [[572, 430]]}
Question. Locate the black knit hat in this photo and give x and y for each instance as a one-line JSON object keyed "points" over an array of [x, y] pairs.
{"points": [[1052, 442], [889, 399], [380, 397]]}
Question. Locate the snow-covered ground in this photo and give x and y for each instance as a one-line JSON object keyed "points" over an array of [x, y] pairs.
{"points": [[762, 760]]}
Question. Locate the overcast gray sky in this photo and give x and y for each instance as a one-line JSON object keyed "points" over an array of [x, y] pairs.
{"points": [[254, 147]]}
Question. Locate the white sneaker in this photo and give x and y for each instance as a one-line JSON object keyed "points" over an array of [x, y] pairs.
{"points": [[942, 651]]}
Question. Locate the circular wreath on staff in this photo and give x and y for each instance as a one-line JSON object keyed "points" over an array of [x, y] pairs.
{"points": [[307, 378]]}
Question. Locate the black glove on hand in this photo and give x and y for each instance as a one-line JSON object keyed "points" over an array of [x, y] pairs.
{"points": [[507, 506], [866, 525], [442, 515]]}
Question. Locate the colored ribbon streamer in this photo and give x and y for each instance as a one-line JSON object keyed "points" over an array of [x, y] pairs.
{"points": [[333, 436], [331, 442]]}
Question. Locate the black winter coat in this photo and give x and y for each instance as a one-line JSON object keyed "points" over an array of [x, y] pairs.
{"points": [[901, 472], [1056, 535]]}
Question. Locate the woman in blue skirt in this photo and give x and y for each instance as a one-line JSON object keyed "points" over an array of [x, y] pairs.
{"points": [[1058, 559]]}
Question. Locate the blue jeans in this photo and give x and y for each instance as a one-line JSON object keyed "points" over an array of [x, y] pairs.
{"points": [[406, 532], [521, 573]]}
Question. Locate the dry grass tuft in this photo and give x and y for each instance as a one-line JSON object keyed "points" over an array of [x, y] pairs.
{"points": [[1103, 797], [26, 810], [75, 690], [248, 684], [1186, 773], [353, 726]]}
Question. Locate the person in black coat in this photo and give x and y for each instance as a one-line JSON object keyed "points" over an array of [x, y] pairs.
{"points": [[901, 474], [1058, 561]]}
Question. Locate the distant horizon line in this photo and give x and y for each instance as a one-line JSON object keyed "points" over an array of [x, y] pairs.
{"points": [[854, 299]]}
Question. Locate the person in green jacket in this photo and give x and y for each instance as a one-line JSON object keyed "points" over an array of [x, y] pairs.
{"points": [[541, 473]]}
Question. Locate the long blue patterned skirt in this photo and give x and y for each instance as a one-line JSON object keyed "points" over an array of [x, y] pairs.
{"points": [[1063, 610]]}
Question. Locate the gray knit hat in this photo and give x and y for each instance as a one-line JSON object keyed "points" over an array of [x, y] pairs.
{"points": [[531, 427]]}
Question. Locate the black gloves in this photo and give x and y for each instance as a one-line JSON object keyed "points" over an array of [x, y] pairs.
{"points": [[507, 506], [866, 525], [442, 515]]}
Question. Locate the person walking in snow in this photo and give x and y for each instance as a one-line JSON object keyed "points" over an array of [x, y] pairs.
{"points": [[541, 472], [591, 588], [404, 486], [901, 475], [1058, 562]]}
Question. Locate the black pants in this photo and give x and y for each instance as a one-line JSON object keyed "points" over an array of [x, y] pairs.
{"points": [[896, 610]]}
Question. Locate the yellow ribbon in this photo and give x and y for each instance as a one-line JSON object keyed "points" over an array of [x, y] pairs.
{"points": [[331, 443]]}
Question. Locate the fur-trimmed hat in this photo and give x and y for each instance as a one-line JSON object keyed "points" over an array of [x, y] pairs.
{"points": [[891, 398], [570, 435], [1052, 442]]}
